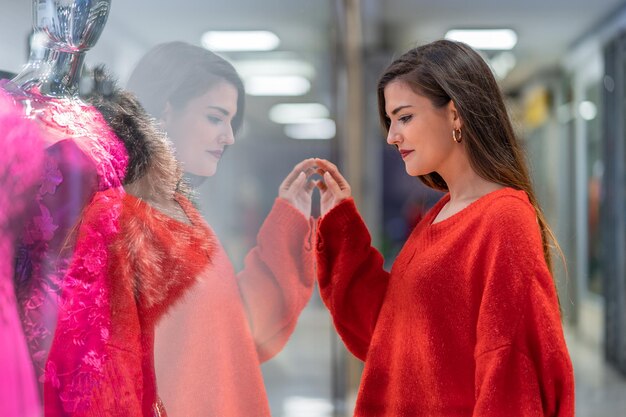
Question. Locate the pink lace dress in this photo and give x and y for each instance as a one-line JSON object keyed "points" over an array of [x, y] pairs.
{"points": [[21, 161], [61, 263]]}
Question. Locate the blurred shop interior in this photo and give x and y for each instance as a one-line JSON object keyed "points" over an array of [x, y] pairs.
{"points": [[310, 75]]}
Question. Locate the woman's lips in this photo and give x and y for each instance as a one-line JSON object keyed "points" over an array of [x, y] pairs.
{"points": [[217, 154], [405, 153]]}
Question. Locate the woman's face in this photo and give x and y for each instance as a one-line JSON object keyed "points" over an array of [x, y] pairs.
{"points": [[203, 128], [421, 132]]}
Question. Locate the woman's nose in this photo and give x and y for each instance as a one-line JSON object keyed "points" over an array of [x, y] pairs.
{"points": [[393, 137], [228, 136]]}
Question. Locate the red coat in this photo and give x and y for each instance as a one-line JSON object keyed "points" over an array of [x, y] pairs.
{"points": [[467, 322], [216, 327]]}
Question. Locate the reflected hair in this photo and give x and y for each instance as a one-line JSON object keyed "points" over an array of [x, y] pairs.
{"points": [[444, 71], [177, 72]]}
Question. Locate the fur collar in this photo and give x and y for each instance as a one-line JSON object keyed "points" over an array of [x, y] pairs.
{"points": [[153, 173]]}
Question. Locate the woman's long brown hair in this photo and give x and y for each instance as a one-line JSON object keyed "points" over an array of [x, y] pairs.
{"points": [[446, 70]]}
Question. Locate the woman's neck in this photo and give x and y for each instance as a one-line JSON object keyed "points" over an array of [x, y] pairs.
{"points": [[464, 184]]}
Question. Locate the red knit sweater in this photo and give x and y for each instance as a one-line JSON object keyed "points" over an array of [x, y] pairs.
{"points": [[209, 347], [466, 324]]}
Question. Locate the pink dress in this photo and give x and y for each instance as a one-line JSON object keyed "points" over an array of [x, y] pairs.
{"points": [[20, 165], [60, 277]]}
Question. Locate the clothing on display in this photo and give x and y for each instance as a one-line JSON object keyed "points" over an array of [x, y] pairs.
{"points": [[21, 163], [60, 274]]}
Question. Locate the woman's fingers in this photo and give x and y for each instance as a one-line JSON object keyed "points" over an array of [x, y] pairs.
{"points": [[309, 186], [308, 165], [299, 181], [327, 166], [298, 185], [321, 185], [302, 183], [332, 185]]}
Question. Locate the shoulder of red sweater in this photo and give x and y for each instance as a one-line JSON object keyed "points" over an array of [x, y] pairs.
{"points": [[509, 217], [509, 207]]}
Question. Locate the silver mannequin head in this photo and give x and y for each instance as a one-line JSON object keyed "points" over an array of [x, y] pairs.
{"points": [[64, 30], [70, 25]]}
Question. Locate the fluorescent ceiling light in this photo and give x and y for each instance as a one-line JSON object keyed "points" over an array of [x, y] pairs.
{"points": [[297, 112], [268, 85], [251, 67], [255, 40], [486, 39], [313, 129]]}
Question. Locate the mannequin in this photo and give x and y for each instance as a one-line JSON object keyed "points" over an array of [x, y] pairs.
{"points": [[91, 288], [67, 30], [81, 157]]}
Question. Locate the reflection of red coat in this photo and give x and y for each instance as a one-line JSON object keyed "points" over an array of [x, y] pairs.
{"points": [[210, 344], [466, 323], [144, 275], [209, 347]]}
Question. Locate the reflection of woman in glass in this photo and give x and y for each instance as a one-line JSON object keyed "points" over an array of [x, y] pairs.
{"points": [[209, 347], [467, 322]]}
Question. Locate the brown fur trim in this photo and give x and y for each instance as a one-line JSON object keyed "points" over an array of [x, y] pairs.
{"points": [[153, 173]]}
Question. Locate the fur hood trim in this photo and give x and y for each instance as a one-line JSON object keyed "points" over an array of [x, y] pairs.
{"points": [[153, 173]]}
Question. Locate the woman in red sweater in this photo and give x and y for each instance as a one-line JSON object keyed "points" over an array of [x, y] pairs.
{"points": [[467, 323]]}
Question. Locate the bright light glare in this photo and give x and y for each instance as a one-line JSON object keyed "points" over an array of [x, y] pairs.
{"points": [[256, 40], [307, 407], [252, 67], [587, 110], [313, 129], [289, 85], [287, 113], [485, 39]]}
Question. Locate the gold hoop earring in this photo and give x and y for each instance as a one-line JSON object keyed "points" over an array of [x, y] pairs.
{"points": [[454, 135]]}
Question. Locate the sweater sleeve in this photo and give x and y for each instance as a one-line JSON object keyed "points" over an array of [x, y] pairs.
{"points": [[351, 276], [522, 364], [277, 280]]}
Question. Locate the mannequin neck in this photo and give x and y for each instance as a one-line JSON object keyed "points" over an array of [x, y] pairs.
{"points": [[56, 75]]}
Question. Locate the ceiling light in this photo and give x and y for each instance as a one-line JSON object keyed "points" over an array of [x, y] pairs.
{"points": [[251, 67], [268, 85], [298, 112], [313, 129], [486, 39], [256, 40]]}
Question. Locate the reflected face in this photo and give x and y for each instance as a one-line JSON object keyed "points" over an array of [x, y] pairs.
{"points": [[421, 132], [203, 128]]}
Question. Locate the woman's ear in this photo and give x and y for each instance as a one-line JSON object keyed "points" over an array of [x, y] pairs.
{"points": [[455, 117]]}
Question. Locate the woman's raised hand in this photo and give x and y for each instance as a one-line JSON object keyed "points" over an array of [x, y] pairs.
{"points": [[297, 188], [333, 187]]}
